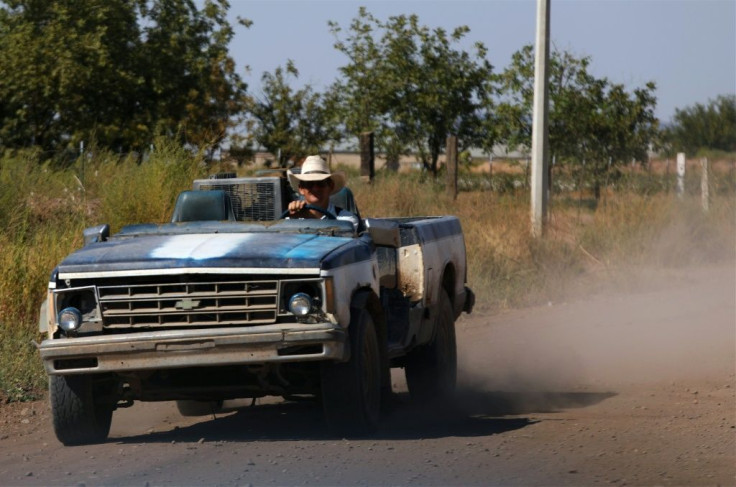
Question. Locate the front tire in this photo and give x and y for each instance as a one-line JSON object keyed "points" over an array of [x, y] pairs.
{"points": [[431, 370], [78, 419], [351, 391]]}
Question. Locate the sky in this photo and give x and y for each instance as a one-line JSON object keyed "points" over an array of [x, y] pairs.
{"points": [[687, 47]]}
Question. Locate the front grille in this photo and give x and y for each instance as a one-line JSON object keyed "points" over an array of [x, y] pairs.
{"points": [[189, 304]]}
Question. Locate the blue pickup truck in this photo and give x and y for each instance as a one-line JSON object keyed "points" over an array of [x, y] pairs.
{"points": [[230, 300]]}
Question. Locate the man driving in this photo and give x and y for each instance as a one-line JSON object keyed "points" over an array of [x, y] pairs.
{"points": [[315, 183]]}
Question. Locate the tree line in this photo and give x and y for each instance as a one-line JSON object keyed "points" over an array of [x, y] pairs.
{"points": [[120, 73]]}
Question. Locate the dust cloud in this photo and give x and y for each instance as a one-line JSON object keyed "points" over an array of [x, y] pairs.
{"points": [[670, 326]]}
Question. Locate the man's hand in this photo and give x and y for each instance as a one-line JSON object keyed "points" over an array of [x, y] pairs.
{"points": [[297, 207]]}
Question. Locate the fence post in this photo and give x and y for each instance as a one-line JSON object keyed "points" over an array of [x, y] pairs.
{"points": [[451, 164], [490, 172], [681, 174], [704, 193], [81, 156], [367, 157]]}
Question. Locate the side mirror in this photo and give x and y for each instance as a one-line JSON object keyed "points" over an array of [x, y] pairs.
{"points": [[98, 233]]}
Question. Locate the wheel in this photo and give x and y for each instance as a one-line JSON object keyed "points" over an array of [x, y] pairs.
{"points": [[351, 391], [188, 407], [77, 418], [431, 370]]}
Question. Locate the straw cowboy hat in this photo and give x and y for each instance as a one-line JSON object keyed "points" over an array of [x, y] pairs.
{"points": [[315, 168]]}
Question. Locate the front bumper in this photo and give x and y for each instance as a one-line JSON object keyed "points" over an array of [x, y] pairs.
{"points": [[189, 348]]}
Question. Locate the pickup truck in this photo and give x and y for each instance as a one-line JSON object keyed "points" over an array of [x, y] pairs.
{"points": [[231, 300]]}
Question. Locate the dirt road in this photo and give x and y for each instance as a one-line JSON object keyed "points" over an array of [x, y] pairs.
{"points": [[631, 387]]}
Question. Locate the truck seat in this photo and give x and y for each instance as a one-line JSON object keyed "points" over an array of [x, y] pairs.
{"points": [[344, 199], [211, 205]]}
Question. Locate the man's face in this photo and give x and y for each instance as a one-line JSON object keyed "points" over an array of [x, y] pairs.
{"points": [[317, 193]]}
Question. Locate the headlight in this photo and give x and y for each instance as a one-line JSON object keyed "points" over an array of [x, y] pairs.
{"points": [[300, 304], [70, 319]]}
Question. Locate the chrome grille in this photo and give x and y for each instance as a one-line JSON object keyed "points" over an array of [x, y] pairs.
{"points": [[189, 304]]}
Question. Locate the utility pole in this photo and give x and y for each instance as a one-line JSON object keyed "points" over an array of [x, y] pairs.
{"points": [[540, 144]]}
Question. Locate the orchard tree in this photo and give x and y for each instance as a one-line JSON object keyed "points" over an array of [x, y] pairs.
{"points": [[66, 66], [115, 72], [592, 121], [289, 122], [189, 78], [711, 126], [413, 86]]}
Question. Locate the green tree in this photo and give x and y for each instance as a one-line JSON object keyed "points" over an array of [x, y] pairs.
{"points": [[115, 72], [62, 63], [190, 79], [413, 86], [289, 122], [592, 122], [703, 127]]}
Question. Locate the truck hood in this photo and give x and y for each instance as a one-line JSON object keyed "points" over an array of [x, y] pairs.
{"points": [[257, 252]]}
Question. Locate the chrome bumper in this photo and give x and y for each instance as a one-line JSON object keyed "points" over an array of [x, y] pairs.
{"points": [[191, 348]]}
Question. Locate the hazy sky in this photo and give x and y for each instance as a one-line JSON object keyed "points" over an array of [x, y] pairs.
{"points": [[687, 47]]}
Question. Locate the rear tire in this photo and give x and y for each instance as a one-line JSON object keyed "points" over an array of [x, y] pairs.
{"points": [[351, 391], [431, 370], [77, 418]]}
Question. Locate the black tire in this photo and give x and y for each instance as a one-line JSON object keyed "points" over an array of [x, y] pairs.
{"points": [[431, 370], [78, 419], [351, 391], [190, 408]]}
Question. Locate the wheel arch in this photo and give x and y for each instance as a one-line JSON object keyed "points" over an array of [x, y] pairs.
{"points": [[448, 282]]}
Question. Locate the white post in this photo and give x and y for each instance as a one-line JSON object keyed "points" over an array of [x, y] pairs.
{"points": [[704, 193], [490, 170], [540, 158], [681, 174]]}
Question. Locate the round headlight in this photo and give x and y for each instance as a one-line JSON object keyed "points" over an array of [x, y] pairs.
{"points": [[70, 319], [300, 304]]}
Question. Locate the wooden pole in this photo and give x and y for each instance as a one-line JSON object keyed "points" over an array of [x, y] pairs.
{"points": [[451, 164], [367, 157]]}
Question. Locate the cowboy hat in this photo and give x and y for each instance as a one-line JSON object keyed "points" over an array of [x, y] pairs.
{"points": [[315, 168]]}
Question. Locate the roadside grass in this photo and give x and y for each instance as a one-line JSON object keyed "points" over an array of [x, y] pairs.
{"points": [[43, 213]]}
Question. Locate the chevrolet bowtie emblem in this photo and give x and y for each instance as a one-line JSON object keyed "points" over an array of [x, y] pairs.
{"points": [[186, 304]]}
